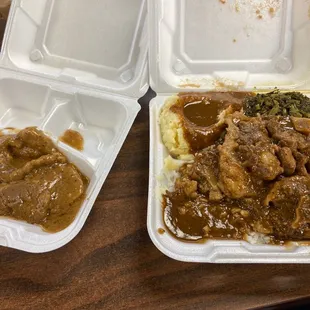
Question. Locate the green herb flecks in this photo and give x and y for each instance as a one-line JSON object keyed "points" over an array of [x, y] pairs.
{"points": [[276, 103]]}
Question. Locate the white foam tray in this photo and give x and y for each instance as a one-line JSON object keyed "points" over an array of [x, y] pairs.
{"points": [[96, 44], [192, 42], [72, 64], [209, 43]]}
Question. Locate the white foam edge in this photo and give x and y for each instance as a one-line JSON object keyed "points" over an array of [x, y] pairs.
{"points": [[212, 251], [31, 238]]}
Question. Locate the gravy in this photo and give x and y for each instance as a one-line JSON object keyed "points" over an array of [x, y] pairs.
{"points": [[37, 182], [199, 114], [203, 112], [255, 180], [73, 138]]}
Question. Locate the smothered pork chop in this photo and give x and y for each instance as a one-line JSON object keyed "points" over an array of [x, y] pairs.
{"points": [[37, 182], [254, 179]]}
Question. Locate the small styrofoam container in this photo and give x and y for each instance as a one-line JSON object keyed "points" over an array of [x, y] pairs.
{"points": [[72, 64], [203, 45]]}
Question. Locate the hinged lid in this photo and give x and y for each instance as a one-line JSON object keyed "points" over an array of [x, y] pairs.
{"points": [[96, 44], [204, 44]]}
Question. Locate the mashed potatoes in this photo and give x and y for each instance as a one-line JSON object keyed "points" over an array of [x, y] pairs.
{"points": [[172, 131], [190, 123]]}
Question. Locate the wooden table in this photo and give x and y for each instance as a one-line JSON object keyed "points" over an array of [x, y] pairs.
{"points": [[112, 263]]}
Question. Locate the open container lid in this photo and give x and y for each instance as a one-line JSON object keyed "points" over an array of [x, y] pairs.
{"points": [[94, 44], [224, 44], [72, 64]]}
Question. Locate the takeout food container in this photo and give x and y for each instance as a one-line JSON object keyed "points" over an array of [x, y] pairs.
{"points": [[72, 64], [222, 45]]}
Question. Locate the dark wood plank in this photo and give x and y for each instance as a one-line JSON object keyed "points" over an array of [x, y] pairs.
{"points": [[112, 264]]}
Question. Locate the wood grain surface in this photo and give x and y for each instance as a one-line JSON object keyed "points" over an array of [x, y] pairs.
{"points": [[112, 263]]}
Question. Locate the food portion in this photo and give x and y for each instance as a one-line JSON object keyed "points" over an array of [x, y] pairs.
{"points": [[190, 122], [73, 138], [37, 182], [276, 103], [252, 182]]}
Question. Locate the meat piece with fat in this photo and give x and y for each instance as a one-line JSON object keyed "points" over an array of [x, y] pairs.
{"points": [[204, 171], [33, 200], [289, 206], [235, 181], [287, 160], [301, 124]]}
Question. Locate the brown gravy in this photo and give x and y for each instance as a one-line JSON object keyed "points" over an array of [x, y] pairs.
{"points": [[37, 182], [254, 179], [203, 112], [203, 109], [161, 231], [199, 113], [73, 139]]}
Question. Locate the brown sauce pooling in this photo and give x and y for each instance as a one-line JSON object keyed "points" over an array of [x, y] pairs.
{"points": [[203, 112], [200, 115], [255, 180], [203, 109], [73, 139], [37, 183]]}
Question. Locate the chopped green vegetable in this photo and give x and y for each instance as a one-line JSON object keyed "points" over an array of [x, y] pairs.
{"points": [[276, 103]]}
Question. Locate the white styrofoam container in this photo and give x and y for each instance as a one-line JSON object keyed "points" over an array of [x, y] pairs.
{"points": [[73, 64], [201, 45]]}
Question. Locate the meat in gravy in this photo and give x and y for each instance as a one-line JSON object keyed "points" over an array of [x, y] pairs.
{"points": [[255, 180], [37, 183]]}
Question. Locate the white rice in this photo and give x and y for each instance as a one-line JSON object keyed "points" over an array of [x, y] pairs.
{"points": [[257, 238]]}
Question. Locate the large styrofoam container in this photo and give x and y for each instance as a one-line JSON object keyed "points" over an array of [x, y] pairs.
{"points": [[73, 64], [200, 45]]}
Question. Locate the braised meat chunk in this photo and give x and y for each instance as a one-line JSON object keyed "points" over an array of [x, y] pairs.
{"points": [[204, 171], [255, 149], [288, 206], [301, 124], [287, 160]]}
